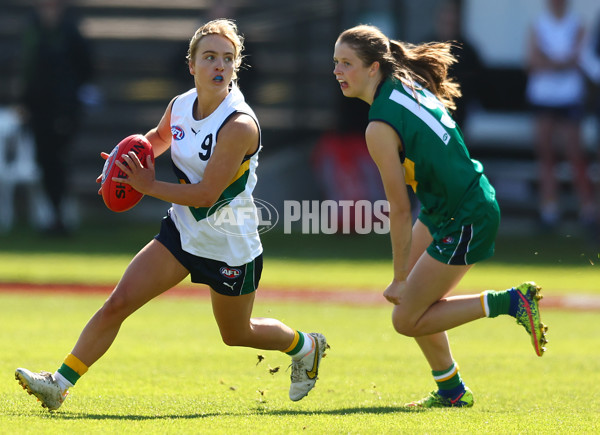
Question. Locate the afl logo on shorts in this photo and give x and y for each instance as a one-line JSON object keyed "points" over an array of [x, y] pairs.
{"points": [[177, 132], [230, 272], [448, 240]]}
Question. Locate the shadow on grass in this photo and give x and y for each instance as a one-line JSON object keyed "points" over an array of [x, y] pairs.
{"points": [[375, 410], [131, 417]]}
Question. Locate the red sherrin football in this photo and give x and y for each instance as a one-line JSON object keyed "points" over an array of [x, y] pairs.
{"points": [[120, 196]]}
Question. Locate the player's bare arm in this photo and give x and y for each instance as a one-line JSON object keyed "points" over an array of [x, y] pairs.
{"points": [[384, 146], [160, 136], [238, 138]]}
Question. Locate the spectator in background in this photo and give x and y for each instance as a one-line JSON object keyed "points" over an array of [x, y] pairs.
{"points": [[556, 91], [596, 78], [590, 63], [56, 64], [468, 71]]}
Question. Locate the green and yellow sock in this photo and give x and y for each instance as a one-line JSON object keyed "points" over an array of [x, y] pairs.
{"points": [[449, 382], [301, 345], [72, 369]]}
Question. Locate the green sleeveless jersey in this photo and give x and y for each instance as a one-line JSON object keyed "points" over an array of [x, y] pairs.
{"points": [[449, 184]]}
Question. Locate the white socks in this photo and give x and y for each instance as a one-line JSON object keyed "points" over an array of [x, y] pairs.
{"points": [[63, 383], [308, 345]]}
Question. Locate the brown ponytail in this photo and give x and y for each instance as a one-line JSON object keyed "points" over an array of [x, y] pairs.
{"points": [[428, 65], [425, 64]]}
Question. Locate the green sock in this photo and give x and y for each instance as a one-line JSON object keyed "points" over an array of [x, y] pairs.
{"points": [[496, 302], [70, 375], [447, 379], [449, 382]]}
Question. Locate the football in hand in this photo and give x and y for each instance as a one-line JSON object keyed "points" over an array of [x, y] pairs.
{"points": [[116, 195]]}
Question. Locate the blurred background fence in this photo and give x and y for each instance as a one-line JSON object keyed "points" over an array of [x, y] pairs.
{"points": [[139, 49]]}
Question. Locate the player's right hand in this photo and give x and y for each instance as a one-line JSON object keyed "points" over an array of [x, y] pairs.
{"points": [[393, 292]]}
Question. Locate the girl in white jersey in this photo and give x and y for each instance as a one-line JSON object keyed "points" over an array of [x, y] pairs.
{"points": [[214, 138]]}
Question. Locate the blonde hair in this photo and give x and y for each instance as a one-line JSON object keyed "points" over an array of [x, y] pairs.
{"points": [[425, 64], [226, 28]]}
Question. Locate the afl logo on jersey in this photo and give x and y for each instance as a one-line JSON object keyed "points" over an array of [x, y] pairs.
{"points": [[230, 272], [177, 132]]}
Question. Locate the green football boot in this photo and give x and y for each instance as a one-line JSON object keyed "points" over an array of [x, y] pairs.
{"points": [[434, 400], [528, 315]]}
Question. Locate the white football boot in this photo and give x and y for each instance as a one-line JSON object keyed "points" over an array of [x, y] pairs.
{"points": [[305, 370], [43, 386]]}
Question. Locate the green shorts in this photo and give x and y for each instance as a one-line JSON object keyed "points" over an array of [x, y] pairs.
{"points": [[467, 243]]}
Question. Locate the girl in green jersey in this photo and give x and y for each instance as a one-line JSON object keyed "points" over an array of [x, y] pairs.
{"points": [[414, 141]]}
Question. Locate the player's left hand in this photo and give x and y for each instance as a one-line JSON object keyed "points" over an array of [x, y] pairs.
{"points": [[99, 178], [140, 177], [394, 291]]}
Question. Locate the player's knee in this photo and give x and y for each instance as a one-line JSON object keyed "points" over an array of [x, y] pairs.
{"points": [[403, 324], [404, 328], [116, 308], [233, 338]]}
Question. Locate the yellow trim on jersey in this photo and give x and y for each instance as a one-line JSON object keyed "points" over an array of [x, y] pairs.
{"points": [[409, 173], [241, 171]]}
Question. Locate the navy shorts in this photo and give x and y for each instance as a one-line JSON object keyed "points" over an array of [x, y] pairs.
{"points": [[221, 277], [571, 112]]}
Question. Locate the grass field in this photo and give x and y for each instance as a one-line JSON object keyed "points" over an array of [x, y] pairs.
{"points": [[99, 254], [169, 372]]}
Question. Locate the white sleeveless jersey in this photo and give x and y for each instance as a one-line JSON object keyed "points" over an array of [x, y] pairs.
{"points": [[227, 231], [557, 38]]}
